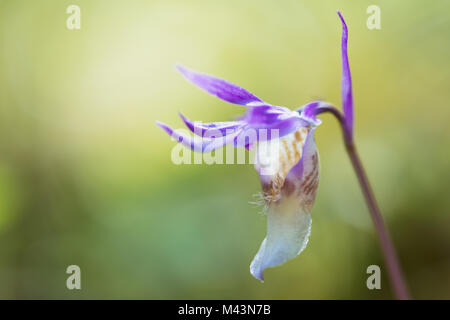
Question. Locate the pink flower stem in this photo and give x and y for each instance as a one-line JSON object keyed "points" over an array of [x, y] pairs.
{"points": [[390, 257]]}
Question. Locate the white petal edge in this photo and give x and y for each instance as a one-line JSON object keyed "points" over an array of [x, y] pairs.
{"points": [[288, 230]]}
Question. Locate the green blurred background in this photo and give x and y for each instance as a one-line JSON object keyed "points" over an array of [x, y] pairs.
{"points": [[86, 176]]}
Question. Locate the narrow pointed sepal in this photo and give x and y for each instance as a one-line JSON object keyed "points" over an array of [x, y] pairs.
{"points": [[346, 82], [212, 128], [200, 144], [220, 88]]}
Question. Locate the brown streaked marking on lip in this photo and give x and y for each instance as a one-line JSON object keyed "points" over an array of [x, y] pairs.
{"points": [[311, 187], [297, 155], [306, 181], [268, 190], [283, 164], [298, 136], [315, 170], [272, 189], [310, 183], [288, 187], [308, 195], [286, 148], [267, 187]]}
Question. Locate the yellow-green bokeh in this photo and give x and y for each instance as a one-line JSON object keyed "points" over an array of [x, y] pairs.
{"points": [[86, 176]]}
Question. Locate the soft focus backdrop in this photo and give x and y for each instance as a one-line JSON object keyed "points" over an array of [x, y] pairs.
{"points": [[86, 176]]}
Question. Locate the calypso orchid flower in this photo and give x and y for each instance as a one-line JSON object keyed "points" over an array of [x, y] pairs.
{"points": [[290, 189]]}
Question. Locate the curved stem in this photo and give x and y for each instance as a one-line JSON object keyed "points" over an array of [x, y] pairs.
{"points": [[390, 257]]}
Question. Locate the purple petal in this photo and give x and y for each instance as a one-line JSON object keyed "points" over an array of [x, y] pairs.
{"points": [[220, 88], [209, 129], [282, 119], [199, 144], [346, 82], [309, 112], [263, 115]]}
